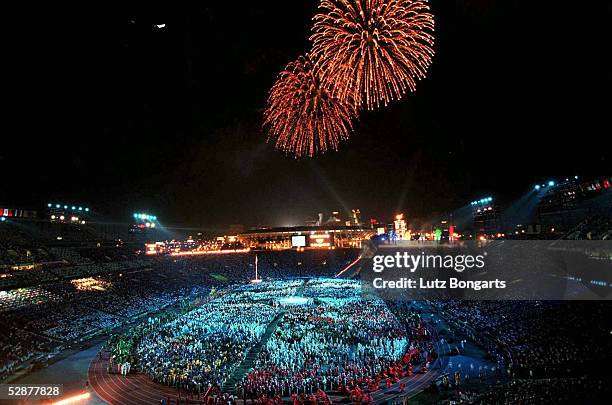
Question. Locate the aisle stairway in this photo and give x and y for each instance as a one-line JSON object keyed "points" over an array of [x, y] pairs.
{"points": [[229, 386]]}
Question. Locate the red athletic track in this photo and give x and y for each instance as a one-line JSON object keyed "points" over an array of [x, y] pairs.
{"points": [[137, 388], [134, 389]]}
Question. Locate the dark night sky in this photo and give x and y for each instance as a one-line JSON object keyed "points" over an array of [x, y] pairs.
{"points": [[105, 110]]}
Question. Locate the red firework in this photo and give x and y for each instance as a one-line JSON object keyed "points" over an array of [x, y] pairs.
{"points": [[373, 51], [302, 117]]}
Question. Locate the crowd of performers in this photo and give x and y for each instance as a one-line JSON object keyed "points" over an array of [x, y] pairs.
{"points": [[335, 340], [204, 346], [340, 343]]}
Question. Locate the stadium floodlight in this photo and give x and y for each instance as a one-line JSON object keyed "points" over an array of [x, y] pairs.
{"points": [[551, 183]]}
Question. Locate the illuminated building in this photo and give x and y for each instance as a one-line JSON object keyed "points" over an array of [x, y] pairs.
{"points": [[399, 226], [306, 237], [486, 217], [320, 219], [563, 202], [356, 216], [335, 218]]}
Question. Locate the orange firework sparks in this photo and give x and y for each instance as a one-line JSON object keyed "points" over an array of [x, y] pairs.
{"points": [[302, 116], [373, 51]]}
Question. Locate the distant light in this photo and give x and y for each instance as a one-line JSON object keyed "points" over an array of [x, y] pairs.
{"points": [[576, 177], [160, 26], [59, 238], [135, 215], [73, 399], [49, 205], [2, 219], [537, 187], [551, 183], [52, 216], [73, 208], [65, 207], [80, 208], [86, 209], [57, 205], [62, 217], [152, 225]]}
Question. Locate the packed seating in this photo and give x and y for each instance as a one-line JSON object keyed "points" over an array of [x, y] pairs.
{"points": [[68, 303], [597, 227], [17, 247], [543, 391], [535, 338]]}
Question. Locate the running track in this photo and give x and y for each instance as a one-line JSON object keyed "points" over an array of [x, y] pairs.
{"points": [[134, 389], [137, 388]]}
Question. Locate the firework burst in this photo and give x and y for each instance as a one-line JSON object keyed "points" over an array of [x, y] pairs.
{"points": [[373, 51], [302, 117]]}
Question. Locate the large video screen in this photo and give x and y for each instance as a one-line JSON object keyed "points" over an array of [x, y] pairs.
{"points": [[298, 241]]}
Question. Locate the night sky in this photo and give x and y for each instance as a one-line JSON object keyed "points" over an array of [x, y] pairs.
{"points": [[104, 109]]}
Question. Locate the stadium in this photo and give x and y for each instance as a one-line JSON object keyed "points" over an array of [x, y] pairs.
{"points": [[288, 321], [307, 203]]}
